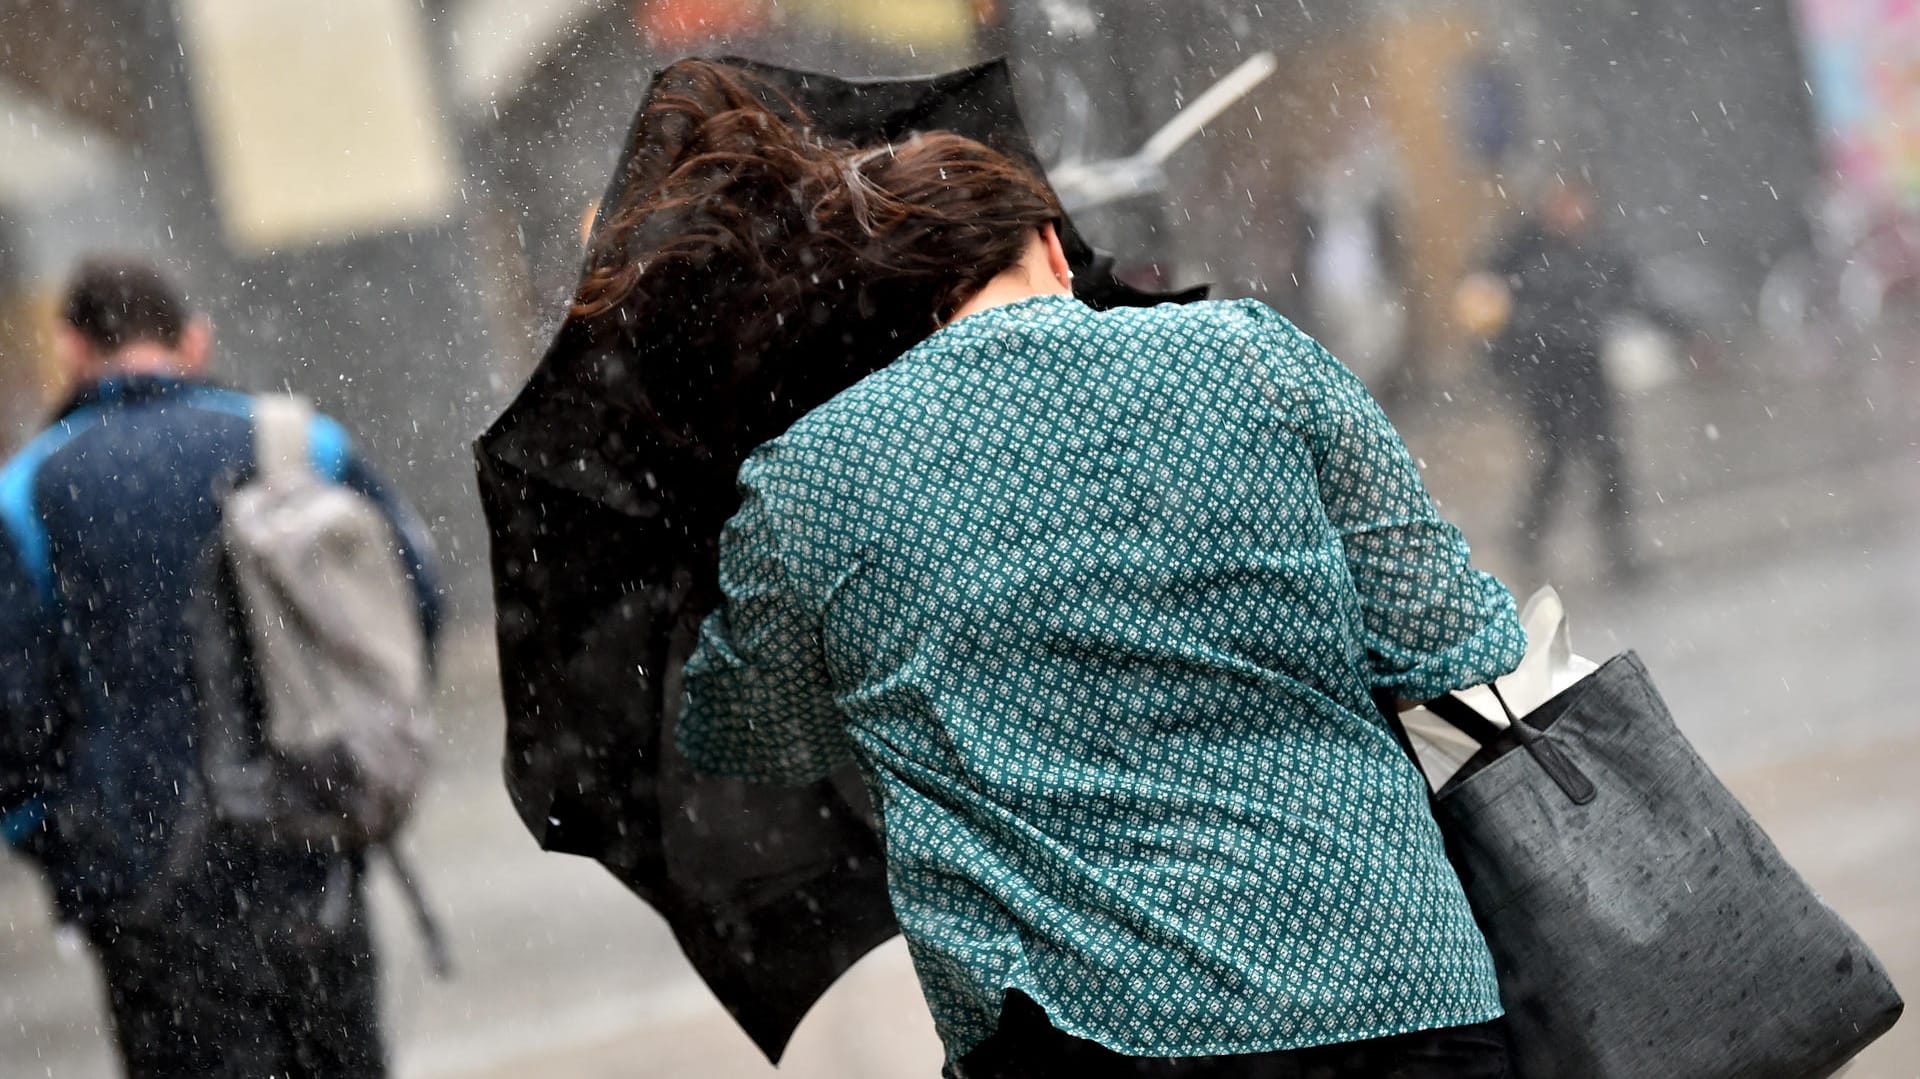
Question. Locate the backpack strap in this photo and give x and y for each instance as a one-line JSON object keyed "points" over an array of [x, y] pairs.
{"points": [[280, 441], [432, 936]]}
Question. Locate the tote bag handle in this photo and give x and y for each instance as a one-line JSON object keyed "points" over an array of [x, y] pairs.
{"points": [[1545, 752]]}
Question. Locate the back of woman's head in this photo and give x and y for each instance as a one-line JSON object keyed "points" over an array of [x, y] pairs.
{"points": [[768, 267]]}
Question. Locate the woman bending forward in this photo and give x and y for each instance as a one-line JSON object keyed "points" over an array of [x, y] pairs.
{"points": [[1100, 603]]}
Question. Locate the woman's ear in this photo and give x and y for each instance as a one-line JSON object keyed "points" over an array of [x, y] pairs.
{"points": [[1056, 256]]}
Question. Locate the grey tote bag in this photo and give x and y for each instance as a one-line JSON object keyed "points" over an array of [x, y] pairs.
{"points": [[1642, 924]]}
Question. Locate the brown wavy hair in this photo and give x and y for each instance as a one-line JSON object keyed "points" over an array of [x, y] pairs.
{"points": [[756, 268]]}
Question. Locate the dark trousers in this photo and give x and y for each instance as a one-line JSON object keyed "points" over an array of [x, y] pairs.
{"points": [[1027, 1046], [1574, 423], [278, 986]]}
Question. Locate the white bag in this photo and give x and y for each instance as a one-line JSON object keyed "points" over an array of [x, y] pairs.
{"points": [[1548, 667]]}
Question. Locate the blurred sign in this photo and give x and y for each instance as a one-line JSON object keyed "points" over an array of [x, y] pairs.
{"points": [[318, 119], [44, 155], [680, 24], [1863, 61], [937, 26]]}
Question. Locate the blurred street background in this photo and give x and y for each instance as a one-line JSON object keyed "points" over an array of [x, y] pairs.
{"points": [[380, 204]]}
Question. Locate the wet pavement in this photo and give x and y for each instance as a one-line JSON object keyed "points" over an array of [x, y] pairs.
{"points": [[1780, 616]]}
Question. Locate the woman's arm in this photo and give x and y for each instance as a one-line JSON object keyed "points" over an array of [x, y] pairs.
{"points": [[1432, 623], [759, 700]]}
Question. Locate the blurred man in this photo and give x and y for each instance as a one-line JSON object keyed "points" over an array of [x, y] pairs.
{"points": [[1562, 286], [220, 957]]}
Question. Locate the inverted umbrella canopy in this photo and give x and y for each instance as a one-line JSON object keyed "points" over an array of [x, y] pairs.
{"points": [[603, 561]]}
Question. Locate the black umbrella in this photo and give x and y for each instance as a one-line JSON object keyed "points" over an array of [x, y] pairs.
{"points": [[603, 563]]}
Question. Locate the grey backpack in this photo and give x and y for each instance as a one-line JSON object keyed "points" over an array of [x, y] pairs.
{"points": [[312, 661]]}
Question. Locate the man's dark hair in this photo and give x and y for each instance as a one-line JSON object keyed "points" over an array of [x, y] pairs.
{"points": [[115, 302]]}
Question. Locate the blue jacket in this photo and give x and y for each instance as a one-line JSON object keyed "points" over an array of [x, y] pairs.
{"points": [[106, 521]]}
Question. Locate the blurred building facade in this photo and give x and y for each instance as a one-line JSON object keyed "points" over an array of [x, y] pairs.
{"points": [[379, 201], [367, 311], [1690, 119]]}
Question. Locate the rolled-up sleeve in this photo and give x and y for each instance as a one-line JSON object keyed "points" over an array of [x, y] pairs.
{"points": [[759, 702], [1432, 622]]}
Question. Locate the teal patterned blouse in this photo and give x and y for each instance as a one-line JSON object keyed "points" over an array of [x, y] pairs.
{"points": [[1097, 601]]}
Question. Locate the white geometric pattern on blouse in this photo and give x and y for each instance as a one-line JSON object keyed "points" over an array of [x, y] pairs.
{"points": [[1098, 601]]}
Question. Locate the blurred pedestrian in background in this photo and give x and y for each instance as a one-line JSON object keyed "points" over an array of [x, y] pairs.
{"points": [[1353, 261], [1100, 603], [1547, 298], [221, 956]]}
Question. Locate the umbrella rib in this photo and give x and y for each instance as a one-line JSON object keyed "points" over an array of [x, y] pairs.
{"points": [[1084, 184], [1206, 108]]}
